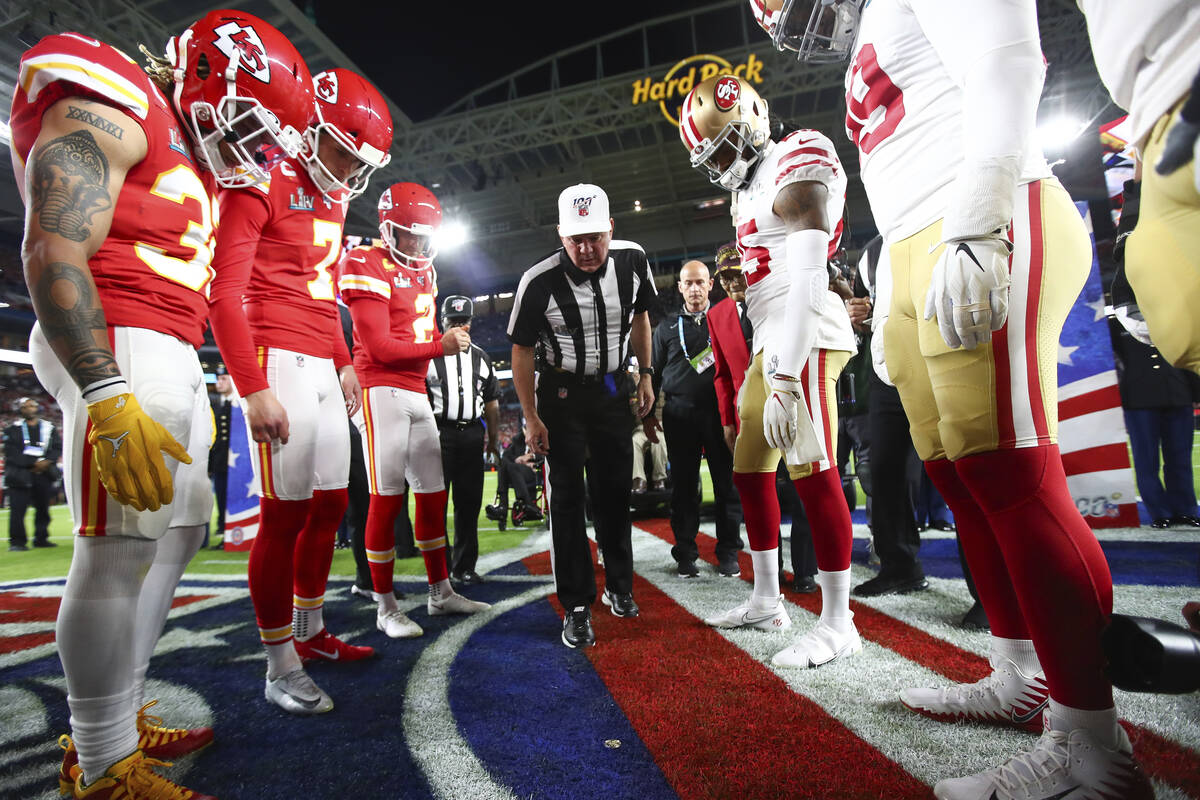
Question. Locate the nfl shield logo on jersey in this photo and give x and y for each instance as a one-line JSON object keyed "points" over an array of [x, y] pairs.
{"points": [[395, 392], [299, 361]]}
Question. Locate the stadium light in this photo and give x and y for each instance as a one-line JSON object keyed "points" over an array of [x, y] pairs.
{"points": [[504, 295], [452, 235], [1056, 133], [481, 298]]}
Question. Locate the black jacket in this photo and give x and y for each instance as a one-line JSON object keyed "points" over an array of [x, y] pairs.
{"points": [[1148, 380], [676, 376], [17, 465]]}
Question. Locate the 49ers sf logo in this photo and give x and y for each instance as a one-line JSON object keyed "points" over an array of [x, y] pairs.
{"points": [[726, 92], [326, 84], [243, 42]]}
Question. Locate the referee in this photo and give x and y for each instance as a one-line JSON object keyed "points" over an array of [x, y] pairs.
{"points": [[585, 305], [462, 388]]}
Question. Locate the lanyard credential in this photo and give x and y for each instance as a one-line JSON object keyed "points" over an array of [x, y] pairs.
{"points": [[702, 360]]}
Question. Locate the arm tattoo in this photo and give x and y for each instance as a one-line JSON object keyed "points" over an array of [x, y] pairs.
{"points": [[70, 185], [96, 121], [803, 203], [70, 314]]}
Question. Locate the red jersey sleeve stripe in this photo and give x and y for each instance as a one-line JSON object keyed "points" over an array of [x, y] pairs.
{"points": [[795, 167]]}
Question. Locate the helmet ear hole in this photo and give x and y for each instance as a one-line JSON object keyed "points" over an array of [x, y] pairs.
{"points": [[203, 70]]}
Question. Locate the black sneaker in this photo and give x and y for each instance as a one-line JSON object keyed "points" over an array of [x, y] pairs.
{"points": [[622, 605], [688, 569], [975, 619], [805, 584], [883, 584], [496, 512], [727, 565], [577, 628], [46, 543]]}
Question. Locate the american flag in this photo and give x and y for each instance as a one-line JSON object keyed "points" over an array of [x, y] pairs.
{"points": [[241, 503], [1091, 429]]}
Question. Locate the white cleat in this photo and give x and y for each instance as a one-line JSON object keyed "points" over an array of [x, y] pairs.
{"points": [[296, 693], [820, 645], [747, 616], [455, 603], [1062, 764], [1006, 696], [397, 625]]}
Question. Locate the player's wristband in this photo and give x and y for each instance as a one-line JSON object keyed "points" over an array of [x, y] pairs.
{"points": [[646, 371], [104, 388]]}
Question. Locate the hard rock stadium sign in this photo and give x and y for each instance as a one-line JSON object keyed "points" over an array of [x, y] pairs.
{"points": [[681, 78]]}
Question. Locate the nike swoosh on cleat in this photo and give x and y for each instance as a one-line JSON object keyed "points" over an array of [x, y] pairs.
{"points": [[1028, 716], [1059, 796], [332, 656]]}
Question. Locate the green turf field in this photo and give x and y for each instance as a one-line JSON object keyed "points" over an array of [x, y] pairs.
{"points": [[53, 562]]}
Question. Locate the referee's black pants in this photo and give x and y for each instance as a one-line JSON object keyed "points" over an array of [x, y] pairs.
{"points": [[693, 428], [588, 421], [893, 525], [39, 495], [462, 470]]}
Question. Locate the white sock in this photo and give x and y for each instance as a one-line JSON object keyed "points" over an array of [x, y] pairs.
{"points": [[835, 599], [1018, 651], [281, 659], [95, 633], [387, 602], [1101, 724], [766, 578], [440, 590], [171, 557], [307, 619]]}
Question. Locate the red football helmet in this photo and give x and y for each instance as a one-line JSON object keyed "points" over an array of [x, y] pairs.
{"points": [[243, 92], [409, 216], [354, 114], [818, 31]]}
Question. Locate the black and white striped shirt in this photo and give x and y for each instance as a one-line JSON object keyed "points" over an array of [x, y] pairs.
{"points": [[582, 320], [460, 385]]}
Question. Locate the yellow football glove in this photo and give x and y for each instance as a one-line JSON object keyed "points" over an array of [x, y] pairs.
{"points": [[127, 444]]}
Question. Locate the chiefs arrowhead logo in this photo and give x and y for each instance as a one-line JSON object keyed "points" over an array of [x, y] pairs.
{"points": [[244, 42], [385, 200], [326, 84]]}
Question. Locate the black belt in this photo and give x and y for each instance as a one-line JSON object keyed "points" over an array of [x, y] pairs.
{"points": [[559, 375], [461, 426]]}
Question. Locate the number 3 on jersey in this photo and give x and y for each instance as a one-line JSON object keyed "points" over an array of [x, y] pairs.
{"points": [[180, 184], [328, 234]]}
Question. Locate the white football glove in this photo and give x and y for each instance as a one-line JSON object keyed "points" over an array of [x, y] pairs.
{"points": [[1182, 146], [968, 292], [780, 410]]}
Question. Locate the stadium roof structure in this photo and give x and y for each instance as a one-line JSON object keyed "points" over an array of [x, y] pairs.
{"points": [[498, 157]]}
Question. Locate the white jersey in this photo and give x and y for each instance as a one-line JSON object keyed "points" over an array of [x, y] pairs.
{"points": [[1147, 54], [804, 155], [904, 112]]}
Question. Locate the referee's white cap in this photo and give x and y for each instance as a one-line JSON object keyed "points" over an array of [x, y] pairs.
{"points": [[583, 208]]}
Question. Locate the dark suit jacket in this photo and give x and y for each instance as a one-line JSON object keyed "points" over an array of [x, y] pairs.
{"points": [[17, 474], [218, 454], [732, 357]]}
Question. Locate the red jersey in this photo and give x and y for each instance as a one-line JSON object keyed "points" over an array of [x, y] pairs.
{"points": [[153, 270], [276, 255], [367, 276]]}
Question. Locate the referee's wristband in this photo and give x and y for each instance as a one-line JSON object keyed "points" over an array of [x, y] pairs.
{"points": [[646, 371]]}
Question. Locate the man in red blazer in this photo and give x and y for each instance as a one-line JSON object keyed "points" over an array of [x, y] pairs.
{"points": [[731, 335]]}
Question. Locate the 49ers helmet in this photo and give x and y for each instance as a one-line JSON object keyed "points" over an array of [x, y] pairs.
{"points": [[354, 114], [243, 93], [825, 34], [724, 125], [412, 209]]}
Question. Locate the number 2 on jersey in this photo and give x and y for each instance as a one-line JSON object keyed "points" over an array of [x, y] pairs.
{"points": [[423, 325], [325, 233]]}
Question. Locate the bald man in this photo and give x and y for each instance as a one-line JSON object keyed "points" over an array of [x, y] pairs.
{"points": [[692, 425]]}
